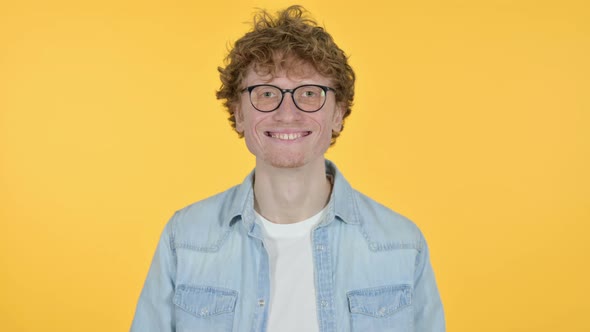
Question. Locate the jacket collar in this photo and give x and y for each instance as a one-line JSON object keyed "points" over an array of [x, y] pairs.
{"points": [[342, 204]]}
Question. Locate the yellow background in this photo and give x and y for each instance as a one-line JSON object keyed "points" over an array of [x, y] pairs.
{"points": [[471, 118]]}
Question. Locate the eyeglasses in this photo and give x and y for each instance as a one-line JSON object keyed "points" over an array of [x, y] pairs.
{"points": [[267, 98]]}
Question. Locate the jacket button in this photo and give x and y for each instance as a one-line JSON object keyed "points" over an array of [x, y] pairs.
{"points": [[261, 303]]}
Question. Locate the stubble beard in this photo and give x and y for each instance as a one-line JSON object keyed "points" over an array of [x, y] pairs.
{"points": [[282, 159]]}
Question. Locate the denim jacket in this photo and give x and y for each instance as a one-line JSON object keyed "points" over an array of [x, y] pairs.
{"points": [[210, 271]]}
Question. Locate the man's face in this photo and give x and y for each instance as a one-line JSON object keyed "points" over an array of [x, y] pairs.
{"points": [[288, 137]]}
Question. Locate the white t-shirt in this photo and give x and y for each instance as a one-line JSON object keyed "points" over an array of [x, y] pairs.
{"points": [[292, 288]]}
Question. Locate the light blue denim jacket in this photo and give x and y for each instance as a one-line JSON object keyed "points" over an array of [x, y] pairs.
{"points": [[210, 271]]}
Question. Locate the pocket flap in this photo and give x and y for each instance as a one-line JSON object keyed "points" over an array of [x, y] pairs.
{"points": [[204, 301], [380, 301]]}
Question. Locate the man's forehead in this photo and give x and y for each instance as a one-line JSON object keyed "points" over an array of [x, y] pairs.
{"points": [[295, 70]]}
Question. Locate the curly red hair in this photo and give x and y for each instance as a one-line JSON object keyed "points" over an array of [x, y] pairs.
{"points": [[285, 41]]}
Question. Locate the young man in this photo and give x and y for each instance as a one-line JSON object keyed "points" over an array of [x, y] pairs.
{"points": [[294, 247]]}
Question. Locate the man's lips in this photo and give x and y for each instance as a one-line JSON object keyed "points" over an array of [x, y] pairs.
{"points": [[287, 136]]}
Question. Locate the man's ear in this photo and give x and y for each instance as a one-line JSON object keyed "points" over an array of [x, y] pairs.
{"points": [[337, 118], [239, 118]]}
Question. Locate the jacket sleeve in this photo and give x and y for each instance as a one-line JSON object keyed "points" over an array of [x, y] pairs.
{"points": [[429, 314], [155, 310]]}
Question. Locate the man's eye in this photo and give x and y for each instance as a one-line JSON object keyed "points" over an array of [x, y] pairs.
{"points": [[309, 93], [267, 94]]}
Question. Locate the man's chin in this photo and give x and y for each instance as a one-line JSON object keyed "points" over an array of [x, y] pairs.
{"points": [[286, 161], [287, 164]]}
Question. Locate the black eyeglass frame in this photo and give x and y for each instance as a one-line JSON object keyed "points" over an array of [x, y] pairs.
{"points": [[291, 91]]}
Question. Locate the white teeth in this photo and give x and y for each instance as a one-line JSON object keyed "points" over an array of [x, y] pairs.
{"points": [[287, 137]]}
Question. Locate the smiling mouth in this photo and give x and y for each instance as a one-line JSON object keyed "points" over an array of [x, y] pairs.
{"points": [[287, 136]]}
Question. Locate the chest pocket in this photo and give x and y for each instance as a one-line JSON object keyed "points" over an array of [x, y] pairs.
{"points": [[385, 308], [204, 308]]}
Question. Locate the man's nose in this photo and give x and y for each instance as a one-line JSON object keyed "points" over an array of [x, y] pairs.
{"points": [[287, 109]]}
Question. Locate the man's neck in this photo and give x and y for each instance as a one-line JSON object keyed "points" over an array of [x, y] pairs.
{"points": [[289, 195]]}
